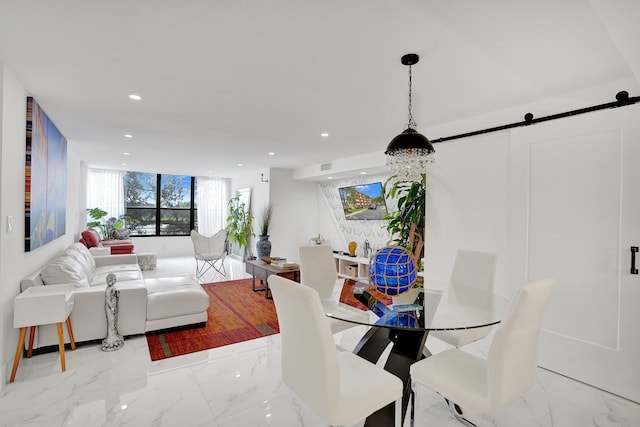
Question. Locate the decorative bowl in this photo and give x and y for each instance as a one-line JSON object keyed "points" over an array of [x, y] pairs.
{"points": [[266, 260]]}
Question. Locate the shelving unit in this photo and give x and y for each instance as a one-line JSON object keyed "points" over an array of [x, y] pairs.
{"points": [[355, 267], [352, 267]]}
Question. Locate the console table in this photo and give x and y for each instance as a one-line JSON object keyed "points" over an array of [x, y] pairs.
{"points": [[262, 271], [42, 305]]}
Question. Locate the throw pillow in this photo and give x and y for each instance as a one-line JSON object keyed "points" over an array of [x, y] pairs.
{"points": [[62, 270], [73, 252], [90, 238]]}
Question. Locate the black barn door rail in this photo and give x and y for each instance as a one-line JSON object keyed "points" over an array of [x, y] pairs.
{"points": [[622, 99]]}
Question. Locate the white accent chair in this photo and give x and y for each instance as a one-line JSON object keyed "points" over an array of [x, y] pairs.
{"points": [[318, 271], [210, 252], [472, 269], [486, 386], [339, 386]]}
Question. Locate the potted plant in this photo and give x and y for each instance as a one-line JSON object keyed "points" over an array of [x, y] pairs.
{"points": [[96, 214], [107, 226], [411, 198], [239, 223], [263, 245], [318, 240]]}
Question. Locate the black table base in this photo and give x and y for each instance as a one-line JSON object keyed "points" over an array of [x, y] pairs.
{"points": [[407, 349]]}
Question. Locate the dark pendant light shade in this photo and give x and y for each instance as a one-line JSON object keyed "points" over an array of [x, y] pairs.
{"points": [[409, 139]]}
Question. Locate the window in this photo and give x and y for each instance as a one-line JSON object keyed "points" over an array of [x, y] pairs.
{"points": [[105, 190], [160, 205]]}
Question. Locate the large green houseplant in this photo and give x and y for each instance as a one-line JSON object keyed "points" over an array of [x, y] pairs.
{"points": [[239, 223], [107, 226], [411, 198]]}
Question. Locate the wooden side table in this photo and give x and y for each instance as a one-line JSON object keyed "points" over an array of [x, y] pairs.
{"points": [[262, 271], [42, 305]]}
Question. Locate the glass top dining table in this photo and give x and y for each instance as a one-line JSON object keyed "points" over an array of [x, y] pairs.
{"points": [[405, 320], [437, 305]]}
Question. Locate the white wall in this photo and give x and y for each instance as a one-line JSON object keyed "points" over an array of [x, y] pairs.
{"points": [[260, 199], [15, 263], [328, 226], [295, 213], [295, 208], [467, 202]]}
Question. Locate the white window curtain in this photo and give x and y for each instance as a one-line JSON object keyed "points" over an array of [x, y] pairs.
{"points": [[105, 190], [212, 196]]}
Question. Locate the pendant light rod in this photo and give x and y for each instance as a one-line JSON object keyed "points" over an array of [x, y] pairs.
{"points": [[622, 100], [409, 60]]}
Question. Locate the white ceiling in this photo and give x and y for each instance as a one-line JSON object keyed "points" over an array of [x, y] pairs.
{"points": [[226, 82]]}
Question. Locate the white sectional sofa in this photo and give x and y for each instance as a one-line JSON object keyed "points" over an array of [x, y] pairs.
{"points": [[144, 304]]}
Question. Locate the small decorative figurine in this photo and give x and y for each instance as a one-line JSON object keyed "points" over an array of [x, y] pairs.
{"points": [[352, 248], [114, 340]]}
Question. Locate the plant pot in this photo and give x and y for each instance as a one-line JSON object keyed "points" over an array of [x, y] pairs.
{"points": [[263, 246]]}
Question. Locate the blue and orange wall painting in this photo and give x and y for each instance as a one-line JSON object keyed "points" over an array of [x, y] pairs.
{"points": [[45, 179]]}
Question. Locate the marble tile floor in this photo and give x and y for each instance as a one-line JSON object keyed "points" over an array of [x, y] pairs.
{"points": [[240, 386]]}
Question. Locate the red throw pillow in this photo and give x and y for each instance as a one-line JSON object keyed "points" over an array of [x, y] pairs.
{"points": [[90, 238]]}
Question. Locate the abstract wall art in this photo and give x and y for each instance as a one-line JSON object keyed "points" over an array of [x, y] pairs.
{"points": [[45, 179]]}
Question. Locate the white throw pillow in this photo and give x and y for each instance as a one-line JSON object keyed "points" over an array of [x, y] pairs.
{"points": [[74, 253], [86, 258], [65, 270]]}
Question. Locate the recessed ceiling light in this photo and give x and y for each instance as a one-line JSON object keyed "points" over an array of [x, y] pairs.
{"points": [[271, 153], [329, 177], [128, 135], [126, 154], [123, 164], [363, 173], [135, 97], [240, 164], [209, 171], [324, 135]]}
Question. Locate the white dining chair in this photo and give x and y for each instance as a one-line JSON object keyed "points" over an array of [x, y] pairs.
{"points": [[471, 269], [318, 270], [340, 387], [488, 385], [210, 252]]}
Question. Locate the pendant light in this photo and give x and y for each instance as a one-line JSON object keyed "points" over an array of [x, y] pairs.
{"points": [[409, 153]]}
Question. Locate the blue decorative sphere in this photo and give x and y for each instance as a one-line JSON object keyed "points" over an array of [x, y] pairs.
{"points": [[393, 270]]}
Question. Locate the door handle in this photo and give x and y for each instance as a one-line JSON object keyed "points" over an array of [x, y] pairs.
{"points": [[634, 250]]}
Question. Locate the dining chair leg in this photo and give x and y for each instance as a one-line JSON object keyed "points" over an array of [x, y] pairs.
{"points": [[456, 410], [413, 404]]}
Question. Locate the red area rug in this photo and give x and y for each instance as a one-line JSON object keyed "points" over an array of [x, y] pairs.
{"points": [[236, 314]]}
